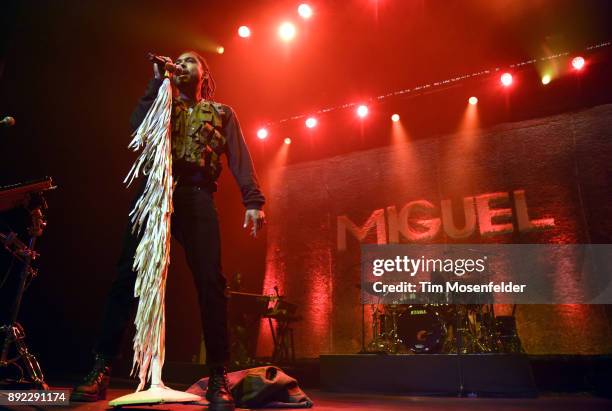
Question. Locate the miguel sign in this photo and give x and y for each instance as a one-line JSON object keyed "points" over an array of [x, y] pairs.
{"points": [[490, 214]]}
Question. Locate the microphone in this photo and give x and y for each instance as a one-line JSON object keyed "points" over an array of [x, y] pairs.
{"points": [[7, 121], [167, 65]]}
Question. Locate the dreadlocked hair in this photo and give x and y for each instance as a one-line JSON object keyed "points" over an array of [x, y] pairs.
{"points": [[208, 85]]}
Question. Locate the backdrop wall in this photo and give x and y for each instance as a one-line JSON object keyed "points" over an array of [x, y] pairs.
{"points": [[557, 169]]}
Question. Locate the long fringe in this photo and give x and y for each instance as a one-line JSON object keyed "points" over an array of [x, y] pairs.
{"points": [[151, 218]]}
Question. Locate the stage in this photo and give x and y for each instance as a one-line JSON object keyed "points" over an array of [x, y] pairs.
{"points": [[398, 204], [326, 401], [561, 383]]}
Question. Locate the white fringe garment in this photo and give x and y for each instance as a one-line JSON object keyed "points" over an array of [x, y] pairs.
{"points": [[151, 217]]}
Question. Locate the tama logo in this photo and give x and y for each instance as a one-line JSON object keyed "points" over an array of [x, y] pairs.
{"points": [[418, 312], [421, 221]]}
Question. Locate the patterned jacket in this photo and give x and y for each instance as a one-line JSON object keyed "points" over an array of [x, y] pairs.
{"points": [[200, 137]]}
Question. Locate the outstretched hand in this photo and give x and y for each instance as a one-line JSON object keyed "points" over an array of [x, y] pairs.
{"points": [[255, 217]]}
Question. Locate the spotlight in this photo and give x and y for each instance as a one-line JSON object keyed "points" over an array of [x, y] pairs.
{"points": [[506, 79], [262, 133], [473, 100], [395, 118], [311, 122], [546, 79], [578, 63], [286, 31], [362, 111], [220, 50], [244, 31], [287, 140], [305, 11]]}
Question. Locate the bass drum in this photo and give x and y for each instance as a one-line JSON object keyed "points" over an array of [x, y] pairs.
{"points": [[421, 329]]}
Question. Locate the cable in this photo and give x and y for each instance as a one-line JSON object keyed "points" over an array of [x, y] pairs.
{"points": [[441, 83]]}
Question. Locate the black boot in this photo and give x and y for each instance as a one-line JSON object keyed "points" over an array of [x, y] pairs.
{"points": [[93, 388], [218, 393]]}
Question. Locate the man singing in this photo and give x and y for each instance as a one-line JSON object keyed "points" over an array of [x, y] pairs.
{"points": [[201, 132]]}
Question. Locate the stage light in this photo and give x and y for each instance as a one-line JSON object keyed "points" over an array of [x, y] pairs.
{"points": [[262, 133], [287, 140], [395, 118], [546, 78], [506, 79], [220, 50], [305, 11], [311, 122], [578, 63], [473, 100], [286, 31], [244, 31], [362, 111]]}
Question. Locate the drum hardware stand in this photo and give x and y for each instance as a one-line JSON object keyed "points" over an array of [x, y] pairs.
{"points": [[507, 336], [486, 332], [13, 331], [395, 343], [469, 339], [373, 345], [385, 341], [379, 343]]}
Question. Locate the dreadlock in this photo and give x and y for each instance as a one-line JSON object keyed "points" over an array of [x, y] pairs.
{"points": [[208, 85]]}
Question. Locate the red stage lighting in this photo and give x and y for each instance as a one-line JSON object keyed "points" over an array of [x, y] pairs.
{"points": [[506, 79], [305, 11], [362, 111], [262, 133], [311, 122], [286, 31], [220, 50], [287, 140], [473, 100], [244, 31], [395, 118], [578, 63]]}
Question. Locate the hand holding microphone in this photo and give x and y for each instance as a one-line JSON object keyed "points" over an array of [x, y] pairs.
{"points": [[7, 121], [161, 63]]}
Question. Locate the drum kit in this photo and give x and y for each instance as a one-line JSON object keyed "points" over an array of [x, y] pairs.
{"points": [[441, 329]]}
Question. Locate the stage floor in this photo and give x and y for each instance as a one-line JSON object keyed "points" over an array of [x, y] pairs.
{"points": [[326, 401]]}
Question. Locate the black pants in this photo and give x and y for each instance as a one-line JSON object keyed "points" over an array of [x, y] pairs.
{"points": [[196, 227]]}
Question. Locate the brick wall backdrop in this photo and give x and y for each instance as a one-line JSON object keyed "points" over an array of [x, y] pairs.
{"points": [[562, 162]]}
